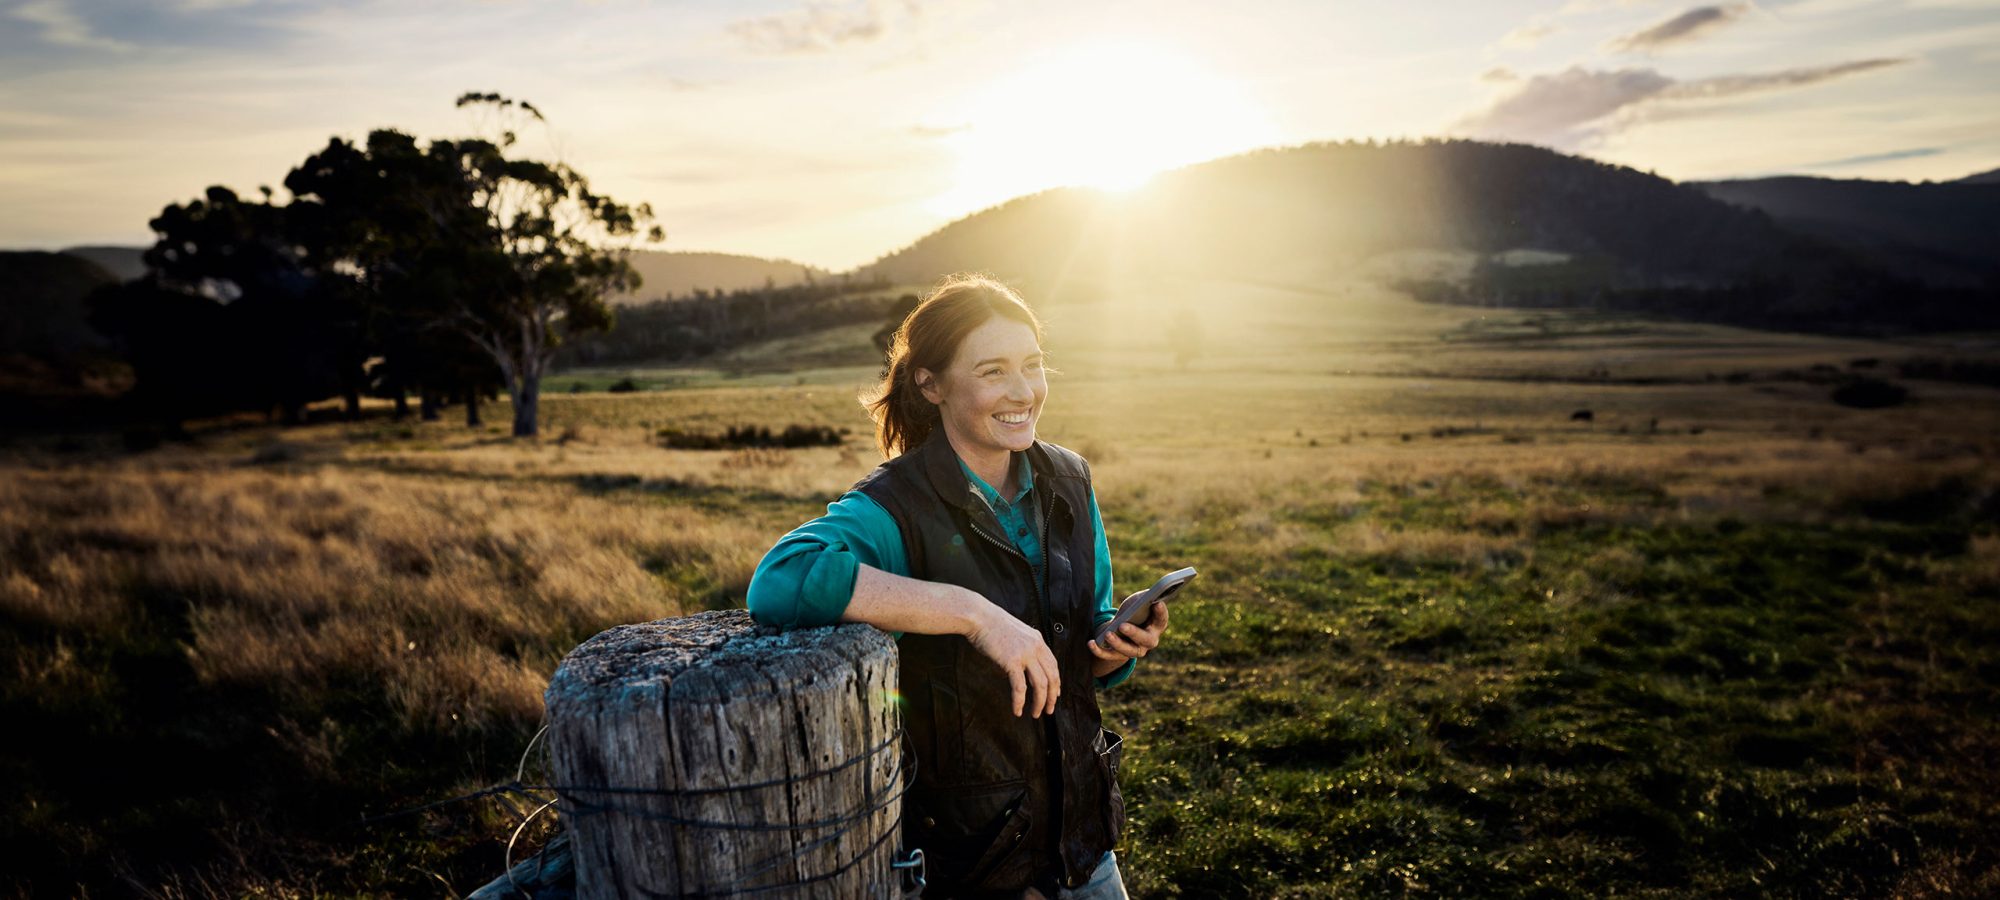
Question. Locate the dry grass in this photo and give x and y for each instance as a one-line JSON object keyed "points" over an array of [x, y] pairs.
{"points": [[292, 579], [360, 617]]}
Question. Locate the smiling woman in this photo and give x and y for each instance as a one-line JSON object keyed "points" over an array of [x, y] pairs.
{"points": [[983, 549], [1106, 116]]}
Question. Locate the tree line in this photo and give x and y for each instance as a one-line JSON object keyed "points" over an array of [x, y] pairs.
{"points": [[451, 268], [682, 328]]}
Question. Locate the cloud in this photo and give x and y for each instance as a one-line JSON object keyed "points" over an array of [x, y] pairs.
{"points": [[1731, 85], [1685, 27], [1891, 156], [1526, 36], [62, 26], [823, 25], [1556, 109], [1578, 106], [939, 131]]}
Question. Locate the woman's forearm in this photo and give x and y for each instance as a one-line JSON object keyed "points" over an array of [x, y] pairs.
{"points": [[895, 603]]}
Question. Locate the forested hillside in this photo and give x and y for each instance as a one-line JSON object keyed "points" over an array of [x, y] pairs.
{"points": [[1621, 238], [1942, 233]]}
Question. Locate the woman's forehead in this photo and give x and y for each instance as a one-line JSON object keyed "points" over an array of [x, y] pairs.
{"points": [[998, 338]]}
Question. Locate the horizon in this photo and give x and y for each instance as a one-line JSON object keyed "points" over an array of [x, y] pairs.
{"points": [[834, 134]]}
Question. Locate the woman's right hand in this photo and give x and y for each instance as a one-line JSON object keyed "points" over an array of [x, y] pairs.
{"points": [[1021, 653]]}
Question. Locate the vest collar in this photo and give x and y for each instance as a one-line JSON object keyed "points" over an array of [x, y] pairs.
{"points": [[941, 465]]}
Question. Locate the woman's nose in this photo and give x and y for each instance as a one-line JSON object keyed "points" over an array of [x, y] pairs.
{"points": [[1019, 389]]}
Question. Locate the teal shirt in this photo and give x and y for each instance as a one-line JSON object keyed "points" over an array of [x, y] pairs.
{"points": [[807, 578]]}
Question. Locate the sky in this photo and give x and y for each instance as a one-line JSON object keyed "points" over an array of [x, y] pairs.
{"points": [[833, 132]]}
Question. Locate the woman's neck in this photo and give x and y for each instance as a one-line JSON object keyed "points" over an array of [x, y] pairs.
{"points": [[992, 468]]}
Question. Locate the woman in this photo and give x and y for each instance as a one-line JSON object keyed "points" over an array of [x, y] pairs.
{"points": [[982, 548]]}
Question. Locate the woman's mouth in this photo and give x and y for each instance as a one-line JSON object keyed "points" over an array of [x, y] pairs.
{"points": [[1014, 419]]}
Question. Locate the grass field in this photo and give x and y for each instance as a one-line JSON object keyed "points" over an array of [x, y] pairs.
{"points": [[1728, 638]]}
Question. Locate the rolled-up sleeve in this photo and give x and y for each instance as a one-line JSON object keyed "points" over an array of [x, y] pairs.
{"points": [[1107, 607], [807, 577]]}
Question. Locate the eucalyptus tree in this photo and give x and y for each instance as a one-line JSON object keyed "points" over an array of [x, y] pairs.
{"points": [[516, 255]]}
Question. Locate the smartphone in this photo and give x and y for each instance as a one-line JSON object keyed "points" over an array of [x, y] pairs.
{"points": [[1138, 608]]}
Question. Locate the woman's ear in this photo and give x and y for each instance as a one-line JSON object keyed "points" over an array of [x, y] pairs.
{"points": [[927, 384]]}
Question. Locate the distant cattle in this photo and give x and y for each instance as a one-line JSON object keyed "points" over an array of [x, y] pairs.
{"points": [[1581, 415]]}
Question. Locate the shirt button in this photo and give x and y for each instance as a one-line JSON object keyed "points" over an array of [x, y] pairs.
{"points": [[1059, 628]]}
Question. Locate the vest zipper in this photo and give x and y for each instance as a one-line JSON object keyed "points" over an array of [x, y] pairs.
{"points": [[1041, 601]]}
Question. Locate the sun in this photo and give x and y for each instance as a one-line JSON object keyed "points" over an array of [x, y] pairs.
{"points": [[1102, 115]]}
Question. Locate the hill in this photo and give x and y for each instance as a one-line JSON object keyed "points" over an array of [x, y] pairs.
{"points": [[1945, 233], [42, 312], [678, 274], [1606, 236], [1280, 208], [675, 274], [126, 263]]}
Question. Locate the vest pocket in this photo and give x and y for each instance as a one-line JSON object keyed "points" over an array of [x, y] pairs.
{"points": [[968, 831], [1110, 753]]}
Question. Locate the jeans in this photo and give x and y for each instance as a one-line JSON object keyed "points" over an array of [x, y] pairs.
{"points": [[1104, 884]]}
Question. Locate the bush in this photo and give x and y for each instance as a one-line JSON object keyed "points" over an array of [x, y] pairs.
{"points": [[623, 386], [1870, 393], [744, 436]]}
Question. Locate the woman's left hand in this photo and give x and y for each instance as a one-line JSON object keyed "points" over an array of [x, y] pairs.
{"points": [[1132, 641]]}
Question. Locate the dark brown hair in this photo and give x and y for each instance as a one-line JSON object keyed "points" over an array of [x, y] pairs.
{"points": [[928, 339]]}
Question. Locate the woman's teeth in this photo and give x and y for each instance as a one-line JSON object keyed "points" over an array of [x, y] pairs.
{"points": [[1018, 418]]}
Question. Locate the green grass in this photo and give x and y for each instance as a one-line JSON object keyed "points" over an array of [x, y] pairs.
{"points": [[1711, 719]]}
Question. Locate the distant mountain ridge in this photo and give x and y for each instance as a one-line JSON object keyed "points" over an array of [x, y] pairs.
{"points": [[1247, 214], [662, 272], [1945, 233], [1634, 240], [42, 313], [680, 273]]}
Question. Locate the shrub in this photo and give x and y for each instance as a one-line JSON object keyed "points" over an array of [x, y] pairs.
{"points": [[738, 437], [1870, 393]]}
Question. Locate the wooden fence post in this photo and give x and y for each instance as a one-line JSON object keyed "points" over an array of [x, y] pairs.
{"points": [[707, 755]]}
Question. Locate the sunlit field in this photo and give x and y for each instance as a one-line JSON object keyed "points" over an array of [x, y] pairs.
{"points": [[1724, 637]]}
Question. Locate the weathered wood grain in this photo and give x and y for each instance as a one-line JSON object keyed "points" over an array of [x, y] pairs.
{"points": [[728, 723]]}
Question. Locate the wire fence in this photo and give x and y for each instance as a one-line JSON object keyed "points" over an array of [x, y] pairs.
{"points": [[566, 800]]}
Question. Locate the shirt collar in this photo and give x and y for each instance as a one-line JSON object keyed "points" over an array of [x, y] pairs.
{"points": [[993, 496]]}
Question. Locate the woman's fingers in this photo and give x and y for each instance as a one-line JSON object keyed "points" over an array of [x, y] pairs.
{"points": [[1123, 646], [1143, 638]]}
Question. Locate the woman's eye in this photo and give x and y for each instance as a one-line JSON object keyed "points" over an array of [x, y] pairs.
{"points": [[989, 373]]}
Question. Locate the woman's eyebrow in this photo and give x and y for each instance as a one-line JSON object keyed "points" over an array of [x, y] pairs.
{"points": [[998, 359]]}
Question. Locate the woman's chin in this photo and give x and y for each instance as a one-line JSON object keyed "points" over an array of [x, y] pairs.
{"points": [[1015, 438]]}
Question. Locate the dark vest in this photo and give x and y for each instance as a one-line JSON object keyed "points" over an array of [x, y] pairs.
{"points": [[1001, 802]]}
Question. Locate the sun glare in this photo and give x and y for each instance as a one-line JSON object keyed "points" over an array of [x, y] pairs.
{"points": [[1105, 116]]}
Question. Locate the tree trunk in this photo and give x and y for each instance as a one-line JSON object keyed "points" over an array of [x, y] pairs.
{"points": [[526, 399], [472, 408], [402, 405], [428, 402], [711, 720], [353, 402]]}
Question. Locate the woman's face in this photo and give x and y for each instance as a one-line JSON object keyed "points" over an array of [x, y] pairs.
{"points": [[991, 394]]}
